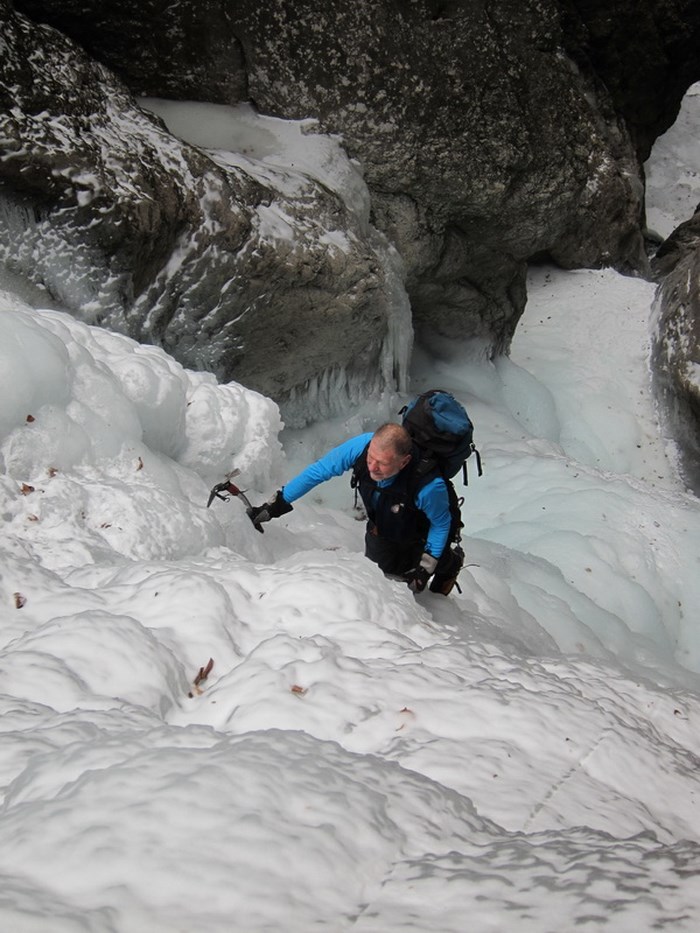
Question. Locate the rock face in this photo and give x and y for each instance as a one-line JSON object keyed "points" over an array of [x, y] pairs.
{"points": [[131, 228], [676, 350], [643, 51], [677, 361], [168, 50], [488, 134], [482, 142], [684, 240]]}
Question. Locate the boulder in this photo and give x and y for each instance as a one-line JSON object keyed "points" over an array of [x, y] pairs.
{"points": [[676, 342], [676, 360], [684, 240]]}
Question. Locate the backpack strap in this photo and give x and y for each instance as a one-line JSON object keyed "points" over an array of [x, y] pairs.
{"points": [[358, 467], [424, 463], [420, 479], [479, 470]]}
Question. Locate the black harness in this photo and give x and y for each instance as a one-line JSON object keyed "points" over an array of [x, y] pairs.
{"points": [[392, 509]]}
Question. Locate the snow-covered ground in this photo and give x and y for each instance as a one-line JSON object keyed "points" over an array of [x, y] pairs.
{"points": [[521, 755]]}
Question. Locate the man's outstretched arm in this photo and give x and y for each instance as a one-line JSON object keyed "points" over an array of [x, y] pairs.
{"points": [[334, 463]]}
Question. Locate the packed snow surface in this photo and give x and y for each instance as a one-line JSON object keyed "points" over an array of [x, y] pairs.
{"points": [[204, 727], [358, 758]]}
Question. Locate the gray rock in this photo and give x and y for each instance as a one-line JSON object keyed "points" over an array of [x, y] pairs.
{"points": [[161, 50], [676, 360], [684, 240], [676, 348]]}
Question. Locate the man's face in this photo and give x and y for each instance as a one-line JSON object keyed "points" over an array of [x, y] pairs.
{"points": [[383, 462]]}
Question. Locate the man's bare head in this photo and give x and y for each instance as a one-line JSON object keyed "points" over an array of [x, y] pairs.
{"points": [[389, 451]]}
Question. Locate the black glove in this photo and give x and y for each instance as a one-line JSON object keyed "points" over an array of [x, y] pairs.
{"points": [[272, 509], [418, 577]]}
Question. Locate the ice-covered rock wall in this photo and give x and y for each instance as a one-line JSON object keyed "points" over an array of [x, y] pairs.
{"points": [[487, 136], [677, 344], [673, 196], [249, 269]]}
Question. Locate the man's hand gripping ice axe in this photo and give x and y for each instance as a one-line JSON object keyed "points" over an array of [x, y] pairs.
{"points": [[257, 514]]}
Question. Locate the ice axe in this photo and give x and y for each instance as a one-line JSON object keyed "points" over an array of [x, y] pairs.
{"points": [[225, 490]]}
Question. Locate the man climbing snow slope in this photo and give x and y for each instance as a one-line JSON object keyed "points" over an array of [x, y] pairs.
{"points": [[413, 517]]}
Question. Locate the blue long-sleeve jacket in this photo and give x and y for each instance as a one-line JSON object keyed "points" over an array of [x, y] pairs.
{"points": [[431, 499]]}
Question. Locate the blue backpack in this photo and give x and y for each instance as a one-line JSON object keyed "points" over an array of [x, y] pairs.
{"points": [[443, 431]]}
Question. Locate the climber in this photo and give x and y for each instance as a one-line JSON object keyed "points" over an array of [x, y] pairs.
{"points": [[413, 519]]}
